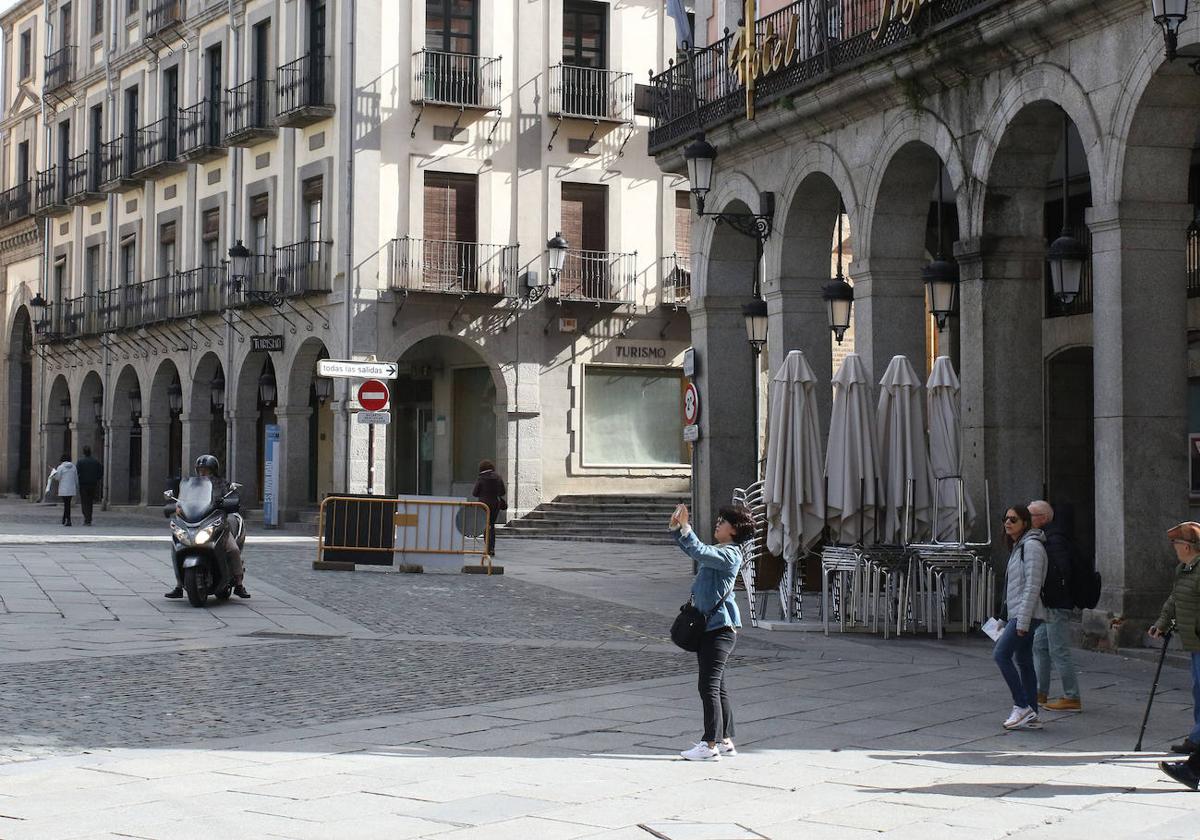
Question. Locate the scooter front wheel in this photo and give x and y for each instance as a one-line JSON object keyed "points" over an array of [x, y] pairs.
{"points": [[195, 584]]}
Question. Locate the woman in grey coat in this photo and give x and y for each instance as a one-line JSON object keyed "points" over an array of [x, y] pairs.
{"points": [[1023, 602]]}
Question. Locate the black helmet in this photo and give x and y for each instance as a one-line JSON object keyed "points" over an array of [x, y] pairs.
{"points": [[208, 462]]}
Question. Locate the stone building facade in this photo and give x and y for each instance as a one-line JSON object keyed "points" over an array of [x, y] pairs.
{"points": [[1095, 404], [205, 198]]}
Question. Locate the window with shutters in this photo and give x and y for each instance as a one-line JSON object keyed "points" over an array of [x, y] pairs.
{"points": [[91, 270], [97, 17], [128, 260], [451, 42], [210, 238], [585, 227], [585, 56], [679, 280], [313, 195], [166, 249], [26, 55], [260, 217], [450, 232]]}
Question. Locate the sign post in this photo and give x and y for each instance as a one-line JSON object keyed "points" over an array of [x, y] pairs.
{"points": [[271, 476], [373, 396]]}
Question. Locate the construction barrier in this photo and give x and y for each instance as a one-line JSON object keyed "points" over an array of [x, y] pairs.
{"points": [[413, 534]]}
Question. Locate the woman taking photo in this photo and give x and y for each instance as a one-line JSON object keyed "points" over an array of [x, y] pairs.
{"points": [[1023, 603], [712, 592]]}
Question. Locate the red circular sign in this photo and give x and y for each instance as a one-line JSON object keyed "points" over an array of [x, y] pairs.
{"points": [[373, 395], [691, 404]]}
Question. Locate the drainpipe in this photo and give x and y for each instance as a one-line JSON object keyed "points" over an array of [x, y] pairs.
{"points": [[235, 167], [350, 299], [46, 228]]}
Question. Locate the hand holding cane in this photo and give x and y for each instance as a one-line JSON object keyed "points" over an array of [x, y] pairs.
{"points": [[1166, 639]]}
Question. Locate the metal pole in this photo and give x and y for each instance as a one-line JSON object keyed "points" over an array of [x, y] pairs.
{"points": [[1157, 671], [371, 459]]}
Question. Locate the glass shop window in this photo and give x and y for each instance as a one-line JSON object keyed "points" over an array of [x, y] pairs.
{"points": [[633, 417]]}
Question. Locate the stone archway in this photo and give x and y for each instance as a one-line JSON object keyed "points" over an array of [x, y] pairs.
{"points": [[123, 473], [204, 423], [18, 455], [57, 434], [250, 416], [163, 451], [89, 416], [306, 431]]}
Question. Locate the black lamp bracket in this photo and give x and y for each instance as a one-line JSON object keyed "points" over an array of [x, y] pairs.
{"points": [[755, 225]]}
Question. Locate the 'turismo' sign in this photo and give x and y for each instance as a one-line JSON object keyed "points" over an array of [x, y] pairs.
{"points": [[266, 343]]}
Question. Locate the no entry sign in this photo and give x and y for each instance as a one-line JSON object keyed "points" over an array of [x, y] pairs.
{"points": [[691, 404], [373, 395]]}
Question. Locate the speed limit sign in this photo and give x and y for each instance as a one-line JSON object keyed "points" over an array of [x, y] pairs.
{"points": [[691, 404]]}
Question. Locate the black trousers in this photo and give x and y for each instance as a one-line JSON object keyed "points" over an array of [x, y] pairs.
{"points": [[87, 497], [67, 509], [713, 654], [493, 515]]}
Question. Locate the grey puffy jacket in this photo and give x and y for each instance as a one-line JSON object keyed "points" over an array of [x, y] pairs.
{"points": [[1025, 575]]}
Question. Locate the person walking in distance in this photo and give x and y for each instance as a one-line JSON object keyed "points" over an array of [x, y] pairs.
{"points": [[1052, 639], [90, 473], [489, 489], [1183, 606], [68, 485], [1024, 577], [712, 590]]}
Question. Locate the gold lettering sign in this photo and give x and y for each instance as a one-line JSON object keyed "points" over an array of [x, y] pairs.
{"points": [[902, 10]]}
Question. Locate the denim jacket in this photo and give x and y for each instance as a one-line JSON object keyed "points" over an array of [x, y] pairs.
{"points": [[718, 568]]}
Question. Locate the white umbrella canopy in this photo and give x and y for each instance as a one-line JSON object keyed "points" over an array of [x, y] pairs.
{"points": [[904, 457], [945, 451], [852, 457], [794, 486]]}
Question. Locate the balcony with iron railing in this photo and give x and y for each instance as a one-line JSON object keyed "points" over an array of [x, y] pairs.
{"points": [[448, 267], [16, 203], [60, 69], [590, 93], [202, 132], [302, 268], [163, 15], [83, 178], [199, 291], [305, 91], [676, 280], [117, 165], [249, 113], [78, 317], [50, 197], [597, 277], [456, 80], [1193, 259], [156, 151], [148, 302], [109, 314]]}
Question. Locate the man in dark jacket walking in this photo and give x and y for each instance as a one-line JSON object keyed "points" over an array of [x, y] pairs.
{"points": [[1052, 641], [489, 489], [91, 473]]}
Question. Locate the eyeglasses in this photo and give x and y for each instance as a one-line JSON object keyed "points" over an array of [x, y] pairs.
{"points": [[1011, 520]]}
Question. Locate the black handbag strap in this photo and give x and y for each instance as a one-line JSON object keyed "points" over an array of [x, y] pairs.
{"points": [[721, 600]]}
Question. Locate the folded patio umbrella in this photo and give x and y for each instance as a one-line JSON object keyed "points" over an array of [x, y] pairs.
{"points": [[945, 450], [794, 486], [851, 458], [904, 457]]}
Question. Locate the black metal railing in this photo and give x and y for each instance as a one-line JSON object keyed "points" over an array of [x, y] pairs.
{"points": [[1082, 304], [163, 14], [50, 191], [157, 144], [83, 175], [199, 291], [201, 127], [302, 268], [1193, 259], [248, 108], [677, 280], [109, 315], [590, 93], [305, 83], [60, 68], [75, 317], [16, 203], [117, 161], [450, 267], [814, 40], [457, 79], [600, 276], [148, 302]]}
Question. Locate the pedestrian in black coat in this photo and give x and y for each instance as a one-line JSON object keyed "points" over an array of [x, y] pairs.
{"points": [[489, 489]]}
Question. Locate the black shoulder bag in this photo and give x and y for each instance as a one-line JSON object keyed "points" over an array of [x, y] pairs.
{"points": [[688, 630]]}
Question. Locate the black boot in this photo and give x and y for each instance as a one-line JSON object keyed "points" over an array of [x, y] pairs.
{"points": [[1186, 747], [1180, 772], [177, 592], [240, 591]]}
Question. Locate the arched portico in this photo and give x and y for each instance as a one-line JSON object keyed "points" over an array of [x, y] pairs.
{"points": [[162, 453], [18, 455], [89, 416], [123, 473], [255, 396], [57, 423], [306, 432], [204, 422]]}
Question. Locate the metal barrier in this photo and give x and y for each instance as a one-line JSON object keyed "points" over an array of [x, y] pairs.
{"points": [[405, 534]]}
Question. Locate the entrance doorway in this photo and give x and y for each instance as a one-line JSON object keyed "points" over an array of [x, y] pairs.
{"points": [[413, 418], [1070, 444]]}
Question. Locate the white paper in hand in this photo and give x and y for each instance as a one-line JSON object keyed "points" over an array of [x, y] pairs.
{"points": [[993, 627]]}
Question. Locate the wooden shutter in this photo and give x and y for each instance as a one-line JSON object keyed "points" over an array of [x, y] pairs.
{"points": [[313, 189], [585, 216], [683, 223], [166, 233], [260, 205], [212, 225], [450, 207]]}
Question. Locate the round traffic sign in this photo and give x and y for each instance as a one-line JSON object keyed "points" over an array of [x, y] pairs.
{"points": [[373, 395], [691, 404]]}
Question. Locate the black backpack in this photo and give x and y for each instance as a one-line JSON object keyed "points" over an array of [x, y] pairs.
{"points": [[1085, 581], [1056, 589]]}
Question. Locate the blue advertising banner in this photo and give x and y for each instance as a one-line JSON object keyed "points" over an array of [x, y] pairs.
{"points": [[271, 455]]}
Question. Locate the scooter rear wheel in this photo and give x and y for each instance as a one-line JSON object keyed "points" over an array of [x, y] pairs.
{"points": [[195, 584]]}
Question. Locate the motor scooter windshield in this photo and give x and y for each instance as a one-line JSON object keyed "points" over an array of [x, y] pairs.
{"points": [[195, 498]]}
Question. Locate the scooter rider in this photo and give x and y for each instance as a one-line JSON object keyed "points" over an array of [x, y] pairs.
{"points": [[207, 466]]}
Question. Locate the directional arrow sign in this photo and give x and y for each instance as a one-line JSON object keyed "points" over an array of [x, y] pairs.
{"points": [[356, 370]]}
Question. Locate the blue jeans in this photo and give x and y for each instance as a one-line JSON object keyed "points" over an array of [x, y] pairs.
{"points": [[1052, 652], [1021, 678], [1194, 737]]}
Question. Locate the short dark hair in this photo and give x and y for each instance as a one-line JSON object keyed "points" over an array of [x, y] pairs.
{"points": [[1023, 514], [741, 519], [87, 450], [485, 464], [66, 456]]}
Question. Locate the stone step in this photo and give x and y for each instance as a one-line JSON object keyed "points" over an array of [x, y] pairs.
{"points": [[544, 514], [652, 499], [600, 538]]}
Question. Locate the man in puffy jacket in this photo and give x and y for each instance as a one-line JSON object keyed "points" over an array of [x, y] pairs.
{"points": [[1184, 607], [1052, 641]]}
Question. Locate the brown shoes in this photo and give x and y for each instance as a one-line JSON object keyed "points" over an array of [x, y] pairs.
{"points": [[1063, 704], [1042, 698]]}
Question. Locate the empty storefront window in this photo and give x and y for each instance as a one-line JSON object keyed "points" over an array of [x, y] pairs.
{"points": [[474, 421], [632, 417]]}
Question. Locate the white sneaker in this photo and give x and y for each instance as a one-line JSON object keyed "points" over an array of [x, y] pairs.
{"points": [[701, 752], [1019, 717], [726, 747], [1033, 723]]}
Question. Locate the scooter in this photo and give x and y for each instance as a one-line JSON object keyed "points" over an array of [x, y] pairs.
{"points": [[198, 525]]}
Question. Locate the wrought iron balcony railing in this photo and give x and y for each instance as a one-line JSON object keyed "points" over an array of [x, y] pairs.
{"points": [[456, 79], [1193, 259], [16, 203], [199, 291], [148, 302], [260, 284], [590, 93], [51, 192], [109, 316], [249, 116], [202, 131], [83, 178], [157, 147], [597, 276], [76, 322], [117, 164], [676, 280], [303, 268], [60, 69], [454, 268], [163, 14], [305, 88]]}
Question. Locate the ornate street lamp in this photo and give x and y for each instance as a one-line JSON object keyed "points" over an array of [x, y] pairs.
{"points": [[556, 251], [837, 293], [42, 324], [65, 405], [217, 391], [98, 409], [755, 314], [239, 262], [1067, 254], [700, 155], [135, 403], [323, 386], [1170, 15], [941, 276], [175, 398], [266, 388]]}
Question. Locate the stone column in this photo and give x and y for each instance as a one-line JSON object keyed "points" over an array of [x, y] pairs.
{"points": [[243, 468], [156, 440], [1002, 370], [294, 464], [798, 321], [197, 427], [116, 469], [889, 312], [1140, 371]]}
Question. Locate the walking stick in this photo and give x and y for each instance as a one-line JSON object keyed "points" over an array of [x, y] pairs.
{"points": [[1157, 671]]}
